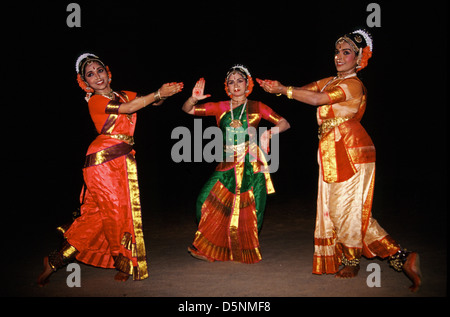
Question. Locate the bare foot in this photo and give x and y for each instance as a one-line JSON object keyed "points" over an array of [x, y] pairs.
{"points": [[348, 272], [43, 277], [412, 270], [121, 277], [196, 254]]}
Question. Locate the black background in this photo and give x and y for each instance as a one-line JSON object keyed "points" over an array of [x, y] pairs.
{"points": [[47, 127]]}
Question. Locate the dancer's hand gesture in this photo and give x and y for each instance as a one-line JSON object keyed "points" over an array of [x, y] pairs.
{"points": [[170, 89], [199, 90], [271, 86]]}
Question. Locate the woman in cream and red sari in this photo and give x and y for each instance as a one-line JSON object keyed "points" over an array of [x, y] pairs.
{"points": [[345, 229], [230, 206], [109, 232]]}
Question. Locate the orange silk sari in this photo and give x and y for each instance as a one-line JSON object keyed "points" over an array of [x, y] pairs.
{"points": [[109, 231]]}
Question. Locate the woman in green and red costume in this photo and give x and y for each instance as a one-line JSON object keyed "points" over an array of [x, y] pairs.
{"points": [[230, 206]]}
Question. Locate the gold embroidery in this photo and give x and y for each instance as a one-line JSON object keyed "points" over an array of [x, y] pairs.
{"points": [[329, 124], [122, 137], [127, 240], [363, 154], [336, 94], [325, 111], [200, 110], [234, 223], [124, 264], [107, 154], [325, 264], [384, 247], [109, 125], [68, 251], [349, 253], [253, 118], [112, 107], [274, 118], [140, 272], [328, 155]]}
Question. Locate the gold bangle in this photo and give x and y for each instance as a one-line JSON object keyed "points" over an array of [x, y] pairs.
{"points": [[289, 92], [157, 96]]}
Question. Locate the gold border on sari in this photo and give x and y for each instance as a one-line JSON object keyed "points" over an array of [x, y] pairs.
{"points": [[328, 156], [234, 222], [140, 272], [384, 247], [107, 154]]}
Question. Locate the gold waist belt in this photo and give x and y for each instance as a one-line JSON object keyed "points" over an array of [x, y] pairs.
{"points": [[107, 154], [122, 137], [329, 124], [236, 148]]}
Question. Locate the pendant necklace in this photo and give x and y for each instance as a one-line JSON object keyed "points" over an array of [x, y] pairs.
{"points": [[236, 123], [110, 95]]}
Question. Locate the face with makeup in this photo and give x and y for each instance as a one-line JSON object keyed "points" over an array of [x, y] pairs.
{"points": [[237, 84], [345, 58], [97, 77]]}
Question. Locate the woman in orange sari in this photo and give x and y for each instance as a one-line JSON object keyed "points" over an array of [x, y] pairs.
{"points": [[345, 229], [109, 232]]}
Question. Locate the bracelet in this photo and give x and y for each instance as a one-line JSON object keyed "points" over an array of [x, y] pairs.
{"points": [[195, 101], [289, 92], [157, 96]]}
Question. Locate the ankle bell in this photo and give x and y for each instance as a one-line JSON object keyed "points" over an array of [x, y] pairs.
{"points": [[354, 262], [398, 259]]}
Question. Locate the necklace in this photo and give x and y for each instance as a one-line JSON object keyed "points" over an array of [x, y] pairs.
{"points": [[236, 123], [109, 95], [337, 77], [345, 75]]}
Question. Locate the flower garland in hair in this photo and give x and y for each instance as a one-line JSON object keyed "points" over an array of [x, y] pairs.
{"points": [[367, 37], [366, 54], [367, 51], [83, 85]]}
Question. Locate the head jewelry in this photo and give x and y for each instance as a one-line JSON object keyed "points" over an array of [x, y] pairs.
{"points": [[245, 73], [362, 43]]}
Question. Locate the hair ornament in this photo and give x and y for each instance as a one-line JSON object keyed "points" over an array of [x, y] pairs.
{"points": [[81, 58], [367, 38], [240, 68], [361, 42]]}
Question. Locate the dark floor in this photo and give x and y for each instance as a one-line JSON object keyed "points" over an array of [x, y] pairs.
{"points": [[285, 271]]}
